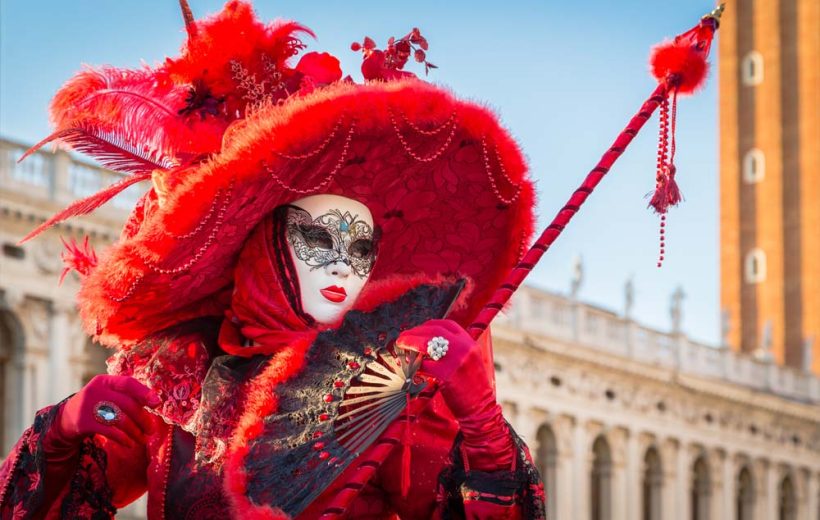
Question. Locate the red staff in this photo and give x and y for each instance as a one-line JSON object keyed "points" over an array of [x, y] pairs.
{"points": [[680, 67]]}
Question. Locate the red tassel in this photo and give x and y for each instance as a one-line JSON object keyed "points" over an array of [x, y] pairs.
{"points": [[681, 64], [405, 453], [667, 193]]}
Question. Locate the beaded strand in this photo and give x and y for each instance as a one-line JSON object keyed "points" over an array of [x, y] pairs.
{"points": [[488, 169], [203, 222], [128, 293], [434, 131], [313, 152], [329, 177], [220, 218], [432, 157]]}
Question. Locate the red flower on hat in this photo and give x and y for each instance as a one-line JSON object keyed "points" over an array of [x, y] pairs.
{"points": [[322, 68], [388, 64]]}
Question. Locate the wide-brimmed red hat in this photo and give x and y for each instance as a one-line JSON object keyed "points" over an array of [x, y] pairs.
{"points": [[228, 132]]}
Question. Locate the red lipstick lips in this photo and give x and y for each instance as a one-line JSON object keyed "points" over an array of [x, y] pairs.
{"points": [[334, 294]]}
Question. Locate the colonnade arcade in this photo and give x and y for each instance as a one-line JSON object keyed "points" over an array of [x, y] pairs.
{"points": [[44, 357], [676, 480]]}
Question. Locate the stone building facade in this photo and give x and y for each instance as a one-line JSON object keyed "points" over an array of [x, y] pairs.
{"points": [[629, 423], [44, 354], [625, 422]]}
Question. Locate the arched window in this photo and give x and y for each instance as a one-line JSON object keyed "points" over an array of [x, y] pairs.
{"points": [[787, 503], [11, 343], [754, 166], [751, 69], [701, 489], [601, 480], [652, 485], [548, 466], [754, 266], [745, 498]]}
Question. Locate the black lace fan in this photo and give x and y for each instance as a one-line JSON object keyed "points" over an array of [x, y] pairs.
{"points": [[354, 385], [376, 397]]}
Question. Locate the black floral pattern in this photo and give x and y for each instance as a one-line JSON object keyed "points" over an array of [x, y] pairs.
{"points": [[523, 485], [89, 493], [22, 476]]}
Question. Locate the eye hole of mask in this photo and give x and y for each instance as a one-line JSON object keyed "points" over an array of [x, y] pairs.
{"points": [[360, 248], [316, 236]]}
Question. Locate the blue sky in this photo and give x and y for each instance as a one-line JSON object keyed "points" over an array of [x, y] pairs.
{"points": [[565, 77]]}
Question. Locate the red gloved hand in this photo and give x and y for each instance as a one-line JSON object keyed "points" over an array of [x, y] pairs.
{"points": [[467, 389], [134, 424]]}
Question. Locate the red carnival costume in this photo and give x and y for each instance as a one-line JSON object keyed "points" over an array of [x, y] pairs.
{"points": [[278, 297], [262, 405]]}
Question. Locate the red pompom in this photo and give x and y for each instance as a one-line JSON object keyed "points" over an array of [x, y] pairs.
{"points": [[683, 61]]}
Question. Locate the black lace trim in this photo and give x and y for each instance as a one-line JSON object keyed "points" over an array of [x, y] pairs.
{"points": [[89, 494], [24, 492], [522, 486]]}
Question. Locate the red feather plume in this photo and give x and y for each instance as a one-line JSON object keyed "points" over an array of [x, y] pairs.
{"points": [[88, 204], [130, 120], [240, 61], [80, 258], [139, 121]]}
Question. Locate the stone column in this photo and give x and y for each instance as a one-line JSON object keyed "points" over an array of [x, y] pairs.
{"points": [[813, 491], [77, 342], [636, 448], [35, 317], [717, 475], [618, 439], [528, 422], [765, 490], [802, 487], [671, 479], [734, 463], [564, 507], [684, 484], [59, 365], [583, 433]]}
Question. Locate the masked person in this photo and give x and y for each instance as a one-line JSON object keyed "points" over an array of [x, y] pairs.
{"points": [[287, 301]]}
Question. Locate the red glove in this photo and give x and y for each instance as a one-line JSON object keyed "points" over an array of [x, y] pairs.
{"points": [[468, 391], [79, 416], [75, 421]]}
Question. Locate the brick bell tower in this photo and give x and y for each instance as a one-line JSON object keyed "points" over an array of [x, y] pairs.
{"points": [[769, 80]]}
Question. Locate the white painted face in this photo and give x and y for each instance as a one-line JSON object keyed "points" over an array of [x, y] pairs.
{"points": [[330, 238]]}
